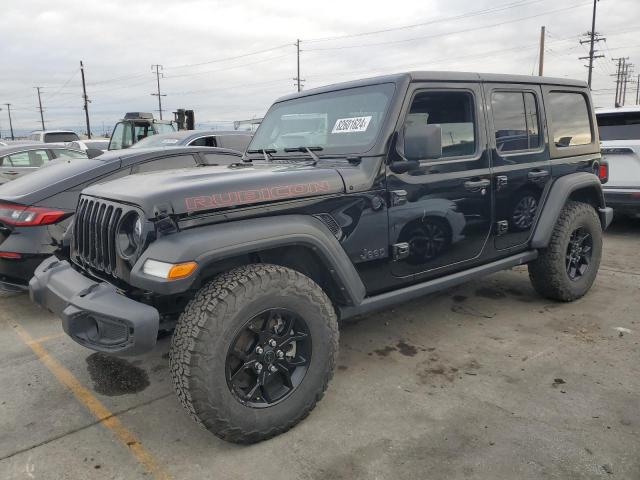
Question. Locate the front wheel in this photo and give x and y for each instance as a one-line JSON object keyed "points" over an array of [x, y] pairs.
{"points": [[567, 268], [254, 351]]}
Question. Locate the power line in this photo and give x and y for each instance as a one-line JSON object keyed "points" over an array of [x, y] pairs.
{"points": [[217, 60], [471, 29], [485, 11]]}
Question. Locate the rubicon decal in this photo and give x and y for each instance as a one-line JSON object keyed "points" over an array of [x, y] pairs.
{"points": [[243, 197]]}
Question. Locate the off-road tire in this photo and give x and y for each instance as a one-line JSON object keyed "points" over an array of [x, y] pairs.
{"points": [[548, 272], [207, 327]]}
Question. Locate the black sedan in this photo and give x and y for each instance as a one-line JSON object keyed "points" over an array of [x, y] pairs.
{"points": [[36, 210]]}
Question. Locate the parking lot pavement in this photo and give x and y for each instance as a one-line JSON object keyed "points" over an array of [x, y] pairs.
{"points": [[486, 380]]}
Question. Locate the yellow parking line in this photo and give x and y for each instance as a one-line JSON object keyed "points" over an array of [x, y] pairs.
{"points": [[45, 338], [97, 409]]}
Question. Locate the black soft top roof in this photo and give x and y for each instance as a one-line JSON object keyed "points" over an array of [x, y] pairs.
{"points": [[437, 76]]}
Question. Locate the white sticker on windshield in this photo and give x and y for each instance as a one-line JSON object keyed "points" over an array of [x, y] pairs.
{"points": [[353, 124], [170, 141]]}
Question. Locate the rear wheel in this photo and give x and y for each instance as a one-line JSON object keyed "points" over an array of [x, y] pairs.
{"points": [[254, 351], [567, 268]]}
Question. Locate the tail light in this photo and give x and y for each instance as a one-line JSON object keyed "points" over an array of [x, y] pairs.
{"points": [[603, 171], [22, 216]]}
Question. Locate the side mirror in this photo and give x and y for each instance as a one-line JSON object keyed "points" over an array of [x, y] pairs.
{"points": [[93, 152], [422, 142]]}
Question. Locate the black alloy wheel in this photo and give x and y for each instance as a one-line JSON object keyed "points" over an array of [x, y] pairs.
{"points": [[525, 212], [268, 358], [579, 252]]}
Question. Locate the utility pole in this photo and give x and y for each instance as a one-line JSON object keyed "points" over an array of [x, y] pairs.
{"points": [[592, 38], [157, 69], [637, 96], [628, 69], [298, 80], [541, 55], [40, 106], [620, 70], [86, 100], [10, 124]]}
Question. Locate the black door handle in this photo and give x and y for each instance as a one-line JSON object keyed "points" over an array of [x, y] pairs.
{"points": [[476, 185], [538, 174]]}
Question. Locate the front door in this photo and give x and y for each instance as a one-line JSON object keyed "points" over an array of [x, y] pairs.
{"points": [[520, 159], [440, 213]]}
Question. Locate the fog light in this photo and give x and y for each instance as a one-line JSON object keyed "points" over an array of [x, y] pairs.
{"points": [[168, 271]]}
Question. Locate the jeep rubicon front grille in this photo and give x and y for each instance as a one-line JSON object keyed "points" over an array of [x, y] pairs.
{"points": [[95, 234]]}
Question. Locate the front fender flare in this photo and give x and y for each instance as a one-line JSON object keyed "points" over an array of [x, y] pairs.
{"points": [[212, 243], [559, 193]]}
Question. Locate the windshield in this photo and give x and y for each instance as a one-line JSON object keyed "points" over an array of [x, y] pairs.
{"points": [[343, 121], [56, 137], [164, 127], [619, 126], [157, 141]]}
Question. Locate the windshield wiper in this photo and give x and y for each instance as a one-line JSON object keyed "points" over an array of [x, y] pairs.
{"points": [[308, 150], [264, 151]]}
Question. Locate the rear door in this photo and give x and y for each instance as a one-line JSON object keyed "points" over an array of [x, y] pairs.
{"points": [[520, 159]]}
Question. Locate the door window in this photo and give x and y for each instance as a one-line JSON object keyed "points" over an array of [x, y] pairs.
{"points": [[121, 137], [570, 119], [167, 163], [454, 112], [64, 153], [32, 158], [515, 120]]}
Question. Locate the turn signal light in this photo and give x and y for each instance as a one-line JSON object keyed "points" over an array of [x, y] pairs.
{"points": [[169, 271], [11, 255], [22, 216]]}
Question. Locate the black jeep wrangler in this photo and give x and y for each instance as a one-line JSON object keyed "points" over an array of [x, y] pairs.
{"points": [[350, 198]]}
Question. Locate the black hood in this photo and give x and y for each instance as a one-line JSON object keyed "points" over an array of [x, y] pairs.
{"points": [[213, 188], [56, 177]]}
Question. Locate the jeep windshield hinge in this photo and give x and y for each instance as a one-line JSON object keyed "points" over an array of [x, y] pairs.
{"points": [[164, 222], [400, 251]]}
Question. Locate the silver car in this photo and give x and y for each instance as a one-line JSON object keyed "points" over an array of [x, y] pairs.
{"points": [[21, 159]]}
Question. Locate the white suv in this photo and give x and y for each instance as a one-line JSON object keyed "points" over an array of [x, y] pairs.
{"points": [[54, 136], [620, 146]]}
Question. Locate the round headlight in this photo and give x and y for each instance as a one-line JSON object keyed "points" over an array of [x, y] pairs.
{"points": [[129, 235]]}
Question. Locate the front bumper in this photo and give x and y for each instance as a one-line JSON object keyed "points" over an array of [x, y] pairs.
{"points": [[94, 314]]}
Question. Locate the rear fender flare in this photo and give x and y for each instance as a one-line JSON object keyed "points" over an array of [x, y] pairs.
{"points": [[560, 192]]}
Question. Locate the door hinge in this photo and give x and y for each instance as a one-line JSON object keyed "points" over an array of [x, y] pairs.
{"points": [[400, 251], [502, 226], [398, 197], [501, 181]]}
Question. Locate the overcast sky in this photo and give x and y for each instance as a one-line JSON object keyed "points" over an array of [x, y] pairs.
{"points": [[42, 42]]}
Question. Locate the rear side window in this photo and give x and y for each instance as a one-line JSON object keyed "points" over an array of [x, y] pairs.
{"points": [[166, 163], [234, 142], [454, 112], [204, 142], [570, 119], [515, 119], [33, 159]]}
